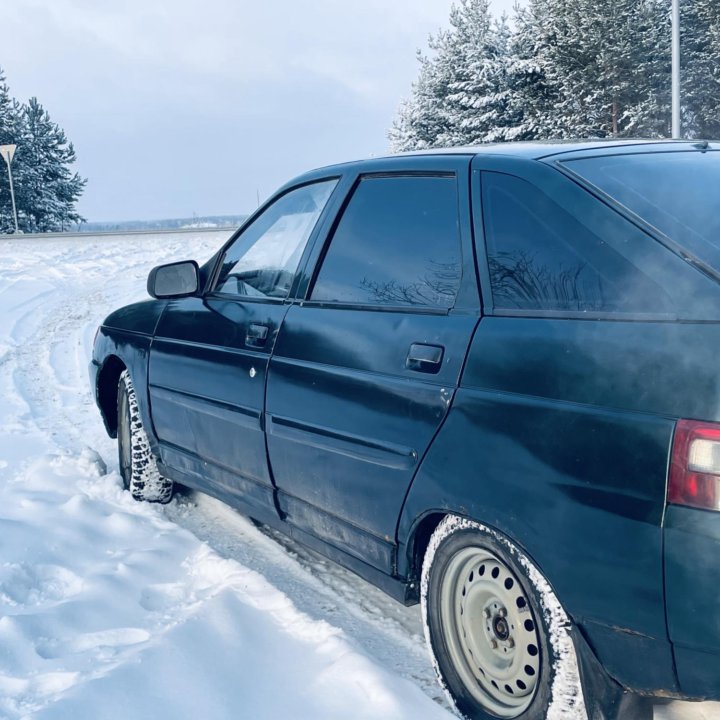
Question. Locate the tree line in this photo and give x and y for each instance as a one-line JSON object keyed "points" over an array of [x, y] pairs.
{"points": [[46, 189], [563, 69]]}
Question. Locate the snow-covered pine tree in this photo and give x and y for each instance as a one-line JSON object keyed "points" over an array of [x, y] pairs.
{"points": [[534, 88], [569, 69], [602, 66], [460, 95], [700, 27], [7, 119], [46, 189], [649, 112], [476, 103], [421, 119]]}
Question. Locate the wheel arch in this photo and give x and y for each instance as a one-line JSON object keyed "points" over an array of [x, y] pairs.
{"points": [[107, 389], [418, 541], [425, 525]]}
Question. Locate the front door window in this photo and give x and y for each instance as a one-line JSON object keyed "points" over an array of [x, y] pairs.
{"points": [[262, 262]]}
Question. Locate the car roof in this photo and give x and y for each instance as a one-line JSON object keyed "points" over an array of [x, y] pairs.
{"points": [[537, 150], [520, 150]]}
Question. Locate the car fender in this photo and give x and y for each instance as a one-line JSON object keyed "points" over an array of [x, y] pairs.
{"points": [[126, 337], [499, 459]]}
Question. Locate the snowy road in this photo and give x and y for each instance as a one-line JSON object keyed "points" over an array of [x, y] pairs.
{"points": [[112, 609]]}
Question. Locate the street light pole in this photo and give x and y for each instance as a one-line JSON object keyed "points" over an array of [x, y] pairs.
{"points": [[8, 151], [676, 115]]}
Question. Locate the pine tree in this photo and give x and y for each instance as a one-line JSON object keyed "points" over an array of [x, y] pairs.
{"points": [[461, 93], [601, 68], [6, 111], [476, 103], [569, 69], [46, 190], [650, 113], [534, 89], [700, 39], [422, 120]]}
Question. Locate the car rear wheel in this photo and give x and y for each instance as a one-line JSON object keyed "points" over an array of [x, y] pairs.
{"points": [[138, 466], [499, 638]]}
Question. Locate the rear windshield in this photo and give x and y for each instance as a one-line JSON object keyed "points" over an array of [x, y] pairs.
{"points": [[676, 192]]}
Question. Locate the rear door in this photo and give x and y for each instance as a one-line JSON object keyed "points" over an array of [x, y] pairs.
{"points": [[209, 359], [366, 365]]}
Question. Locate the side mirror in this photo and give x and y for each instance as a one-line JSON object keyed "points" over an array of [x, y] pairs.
{"points": [[175, 280]]}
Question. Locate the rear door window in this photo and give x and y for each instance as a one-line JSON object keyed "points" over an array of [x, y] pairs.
{"points": [[396, 244]]}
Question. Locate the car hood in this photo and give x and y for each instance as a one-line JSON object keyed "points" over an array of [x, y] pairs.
{"points": [[141, 317]]}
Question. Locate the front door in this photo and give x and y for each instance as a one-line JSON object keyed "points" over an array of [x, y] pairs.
{"points": [[365, 368], [209, 358]]}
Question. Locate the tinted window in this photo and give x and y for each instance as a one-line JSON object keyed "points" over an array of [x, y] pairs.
{"points": [[263, 260], [397, 243], [677, 192], [542, 257]]}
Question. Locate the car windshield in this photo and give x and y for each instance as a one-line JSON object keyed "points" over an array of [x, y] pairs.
{"points": [[676, 192]]}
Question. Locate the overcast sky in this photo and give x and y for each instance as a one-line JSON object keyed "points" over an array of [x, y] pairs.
{"points": [[178, 107]]}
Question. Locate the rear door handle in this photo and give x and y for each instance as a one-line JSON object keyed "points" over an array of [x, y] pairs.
{"points": [[425, 358], [256, 334]]}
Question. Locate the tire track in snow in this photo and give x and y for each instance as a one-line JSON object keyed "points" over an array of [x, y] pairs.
{"points": [[52, 359], [44, 366], [381, 627]]}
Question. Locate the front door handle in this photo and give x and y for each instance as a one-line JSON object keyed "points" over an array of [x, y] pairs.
{"points": [[425, 358], [256, 334]]}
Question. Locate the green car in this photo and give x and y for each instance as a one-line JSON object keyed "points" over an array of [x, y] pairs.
{"points": [[484, 379]]}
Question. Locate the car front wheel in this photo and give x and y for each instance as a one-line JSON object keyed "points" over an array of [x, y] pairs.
{"points": [[138, 466]]}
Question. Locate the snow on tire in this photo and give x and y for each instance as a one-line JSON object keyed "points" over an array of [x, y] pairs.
{"points": [[499, 639], [138, 465]]}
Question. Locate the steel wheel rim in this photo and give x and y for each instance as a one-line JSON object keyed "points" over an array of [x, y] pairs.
{"points": [[490, 632]]}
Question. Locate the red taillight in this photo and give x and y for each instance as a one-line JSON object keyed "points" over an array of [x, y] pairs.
{"points": [[695, 465]]}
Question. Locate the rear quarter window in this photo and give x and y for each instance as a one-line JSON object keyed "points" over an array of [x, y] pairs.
{"points": [[544, 255]]}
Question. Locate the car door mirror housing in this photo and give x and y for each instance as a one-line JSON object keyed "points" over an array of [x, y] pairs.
{"points": [[175, 280]]}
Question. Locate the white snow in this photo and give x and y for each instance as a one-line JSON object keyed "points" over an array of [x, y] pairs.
{"points": [[115, 609]]}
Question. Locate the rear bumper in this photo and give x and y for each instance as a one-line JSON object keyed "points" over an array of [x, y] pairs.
{"points": [[692, 588]]}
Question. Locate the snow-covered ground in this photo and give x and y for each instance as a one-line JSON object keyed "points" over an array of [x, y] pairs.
{"points": [[114, 609]]}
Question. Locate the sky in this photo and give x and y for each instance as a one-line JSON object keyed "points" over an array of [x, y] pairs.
{"points": [[182, 107]]}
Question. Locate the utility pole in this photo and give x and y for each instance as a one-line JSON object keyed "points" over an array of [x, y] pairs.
{"points": [[676, 113], [8, 152]]}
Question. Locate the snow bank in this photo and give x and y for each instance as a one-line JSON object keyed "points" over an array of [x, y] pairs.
{"points": [[110, 610]]}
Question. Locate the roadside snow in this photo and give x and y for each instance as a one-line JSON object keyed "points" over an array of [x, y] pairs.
{"points": [[109, 608], [113, 609]]}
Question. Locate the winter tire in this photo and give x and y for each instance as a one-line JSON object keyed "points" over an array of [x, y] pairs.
{"points": [[138, 466], [499, 638]]}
